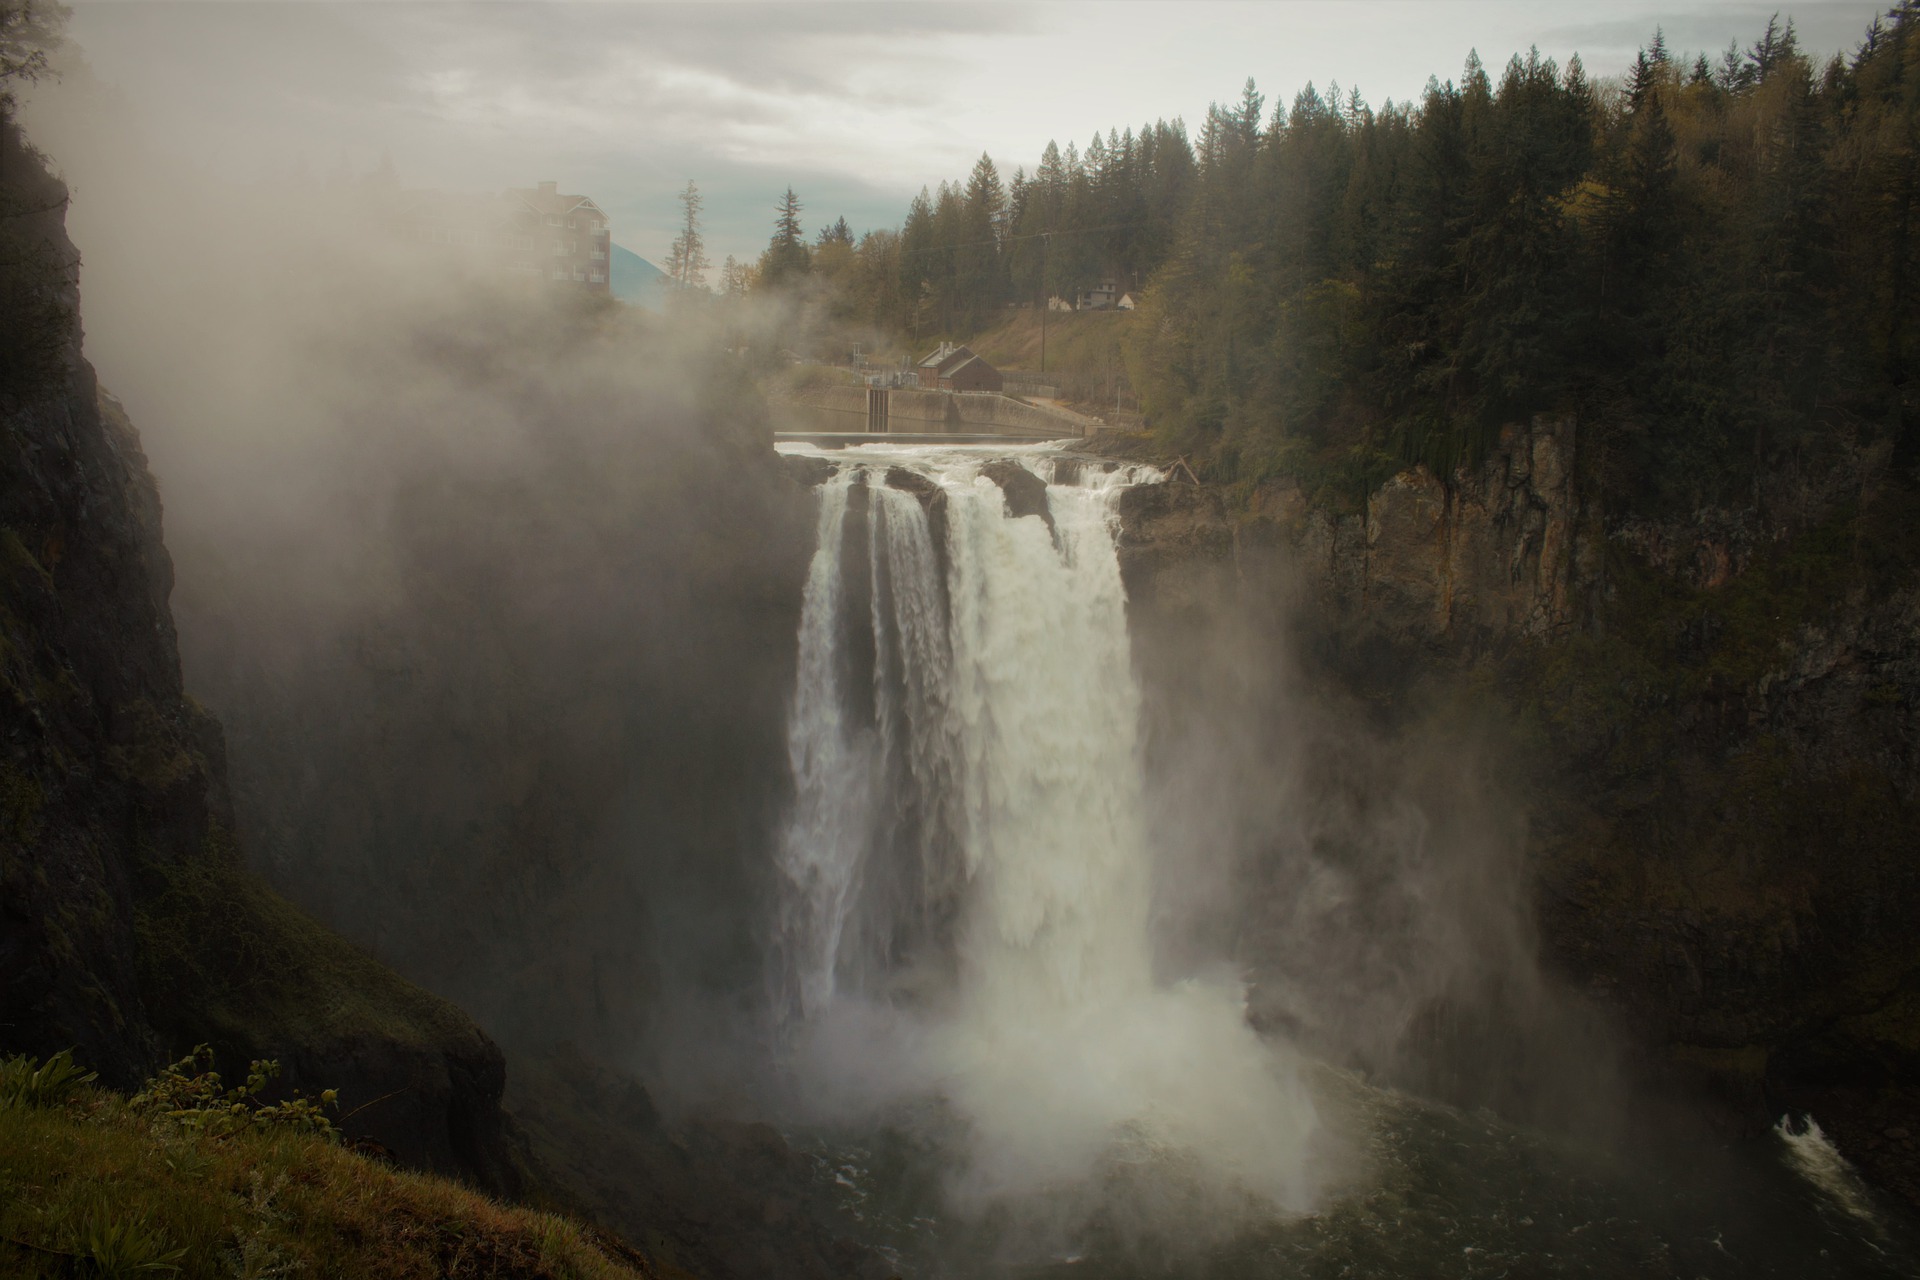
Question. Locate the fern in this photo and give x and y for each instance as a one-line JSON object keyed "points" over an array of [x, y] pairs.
{"points": [[28, 1082], [126, 1248]]}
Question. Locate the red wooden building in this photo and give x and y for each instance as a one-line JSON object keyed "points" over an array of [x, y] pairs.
{"points": [[952, 368]]}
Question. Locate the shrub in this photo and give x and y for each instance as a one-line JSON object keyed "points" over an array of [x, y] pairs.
{"points": [[189, 1096], [28, 1082]]}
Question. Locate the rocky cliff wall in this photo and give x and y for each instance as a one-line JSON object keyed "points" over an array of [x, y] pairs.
{"points": [[1502, 551], [1709, 727], [128, 930]]}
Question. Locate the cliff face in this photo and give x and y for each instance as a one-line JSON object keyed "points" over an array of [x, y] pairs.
{"points": [[1505, 551], [1502, 552], [1715, 719], [106, 762], [128, 929]]}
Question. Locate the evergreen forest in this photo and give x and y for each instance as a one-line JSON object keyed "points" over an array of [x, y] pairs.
{"points": [[1710, 258]]}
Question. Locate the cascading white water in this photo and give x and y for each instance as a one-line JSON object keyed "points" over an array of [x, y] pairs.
{"points": [[833, 768], [968, 856]]}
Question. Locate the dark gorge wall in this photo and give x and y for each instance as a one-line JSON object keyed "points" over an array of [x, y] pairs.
{"points": [[1703, 730], [128, 929]]}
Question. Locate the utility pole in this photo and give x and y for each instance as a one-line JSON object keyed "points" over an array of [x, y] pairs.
{"points": [[1046, 298]]}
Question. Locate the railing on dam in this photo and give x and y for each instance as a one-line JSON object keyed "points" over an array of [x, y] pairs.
{"points": [[844, 439], [899, 411]]}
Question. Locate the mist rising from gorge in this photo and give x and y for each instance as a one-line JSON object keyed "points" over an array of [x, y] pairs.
{"points": [[498, 602], [491, 590]]}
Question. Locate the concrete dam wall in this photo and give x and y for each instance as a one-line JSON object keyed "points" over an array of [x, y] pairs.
{"points": [[909, 411]]}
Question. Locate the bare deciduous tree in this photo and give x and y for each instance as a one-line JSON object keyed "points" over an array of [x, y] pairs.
{"points": [[687, 261]]}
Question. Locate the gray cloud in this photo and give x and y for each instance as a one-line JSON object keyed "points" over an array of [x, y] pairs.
{"points": [[1821, 27], [857, 105], [624, 101]]}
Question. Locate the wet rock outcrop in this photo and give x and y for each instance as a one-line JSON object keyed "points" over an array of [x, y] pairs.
{"points": [[806, 469], [1499, 551], [1166, 532], [1026, 493]]}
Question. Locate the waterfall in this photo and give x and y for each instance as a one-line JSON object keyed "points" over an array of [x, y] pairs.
{"points": [[833, 762], [968, 858]]}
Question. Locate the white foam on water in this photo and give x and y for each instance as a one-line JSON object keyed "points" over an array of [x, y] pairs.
{"points": [[1812, 1154]]}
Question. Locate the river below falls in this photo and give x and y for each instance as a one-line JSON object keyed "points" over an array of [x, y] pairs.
{"points": [[1425, 1191]]}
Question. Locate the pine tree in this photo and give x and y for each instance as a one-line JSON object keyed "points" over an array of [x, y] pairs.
{"points": [[979, 283], [786, 226], [1641, 81], [1776, 47], [1736, 73], [786, 256], [918, 245], [1247, 120], [836, 232]]}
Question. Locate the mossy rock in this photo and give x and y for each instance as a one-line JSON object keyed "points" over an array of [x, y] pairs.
{"points": [[226, 961]]}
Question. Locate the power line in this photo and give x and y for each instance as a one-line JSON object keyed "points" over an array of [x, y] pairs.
{"points": [[1035, 235]]}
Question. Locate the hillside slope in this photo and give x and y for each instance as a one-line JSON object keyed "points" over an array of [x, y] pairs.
{"points": [[268, 1199], [635, 280], [1083, 352]]}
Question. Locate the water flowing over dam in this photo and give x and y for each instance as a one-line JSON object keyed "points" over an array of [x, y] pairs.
{"points": [[970, 708], [963, 975], [968, 857]]}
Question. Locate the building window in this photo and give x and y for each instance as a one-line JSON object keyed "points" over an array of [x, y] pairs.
{"points": [[559, 275], [599, 255]]}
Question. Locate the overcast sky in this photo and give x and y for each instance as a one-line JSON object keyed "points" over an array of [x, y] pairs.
{"points": [[856, 105]]}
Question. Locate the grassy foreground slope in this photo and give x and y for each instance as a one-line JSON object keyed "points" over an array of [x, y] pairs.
{"points": [[95, 1184]]}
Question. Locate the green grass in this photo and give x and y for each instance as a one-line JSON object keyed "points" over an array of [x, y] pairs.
{"points": [[1083, 349], [809, 377], [91, 1185]]}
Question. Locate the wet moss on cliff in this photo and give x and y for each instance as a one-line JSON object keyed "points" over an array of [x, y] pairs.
{"points": [[225, 961]]}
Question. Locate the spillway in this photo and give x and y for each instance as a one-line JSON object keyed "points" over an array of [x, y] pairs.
{"points": [[968, 864]]}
